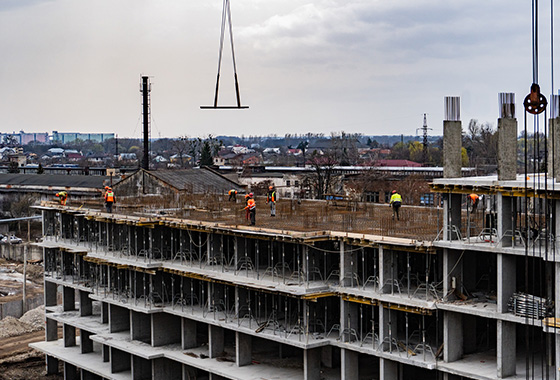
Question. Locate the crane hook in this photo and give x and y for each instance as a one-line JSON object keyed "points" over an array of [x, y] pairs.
{"points": [[535, 102]]}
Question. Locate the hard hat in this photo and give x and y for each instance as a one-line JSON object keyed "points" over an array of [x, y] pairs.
{"points": [[251, 194], [270, 187], [393, 192], [106, 187]]}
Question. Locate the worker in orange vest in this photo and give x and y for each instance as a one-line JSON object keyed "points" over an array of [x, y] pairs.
{"points": [[109, 199], [62, 197], [232, 195], [473, 200], [251, 209]]}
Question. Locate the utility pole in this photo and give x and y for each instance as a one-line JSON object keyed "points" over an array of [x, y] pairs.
{"points": [[425, 140]]}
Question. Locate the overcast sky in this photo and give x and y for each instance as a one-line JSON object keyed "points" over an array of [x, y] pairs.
{"points": [[367, 66]]}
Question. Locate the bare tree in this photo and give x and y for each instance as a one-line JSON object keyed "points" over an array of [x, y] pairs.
{"points": [[321, 180]]}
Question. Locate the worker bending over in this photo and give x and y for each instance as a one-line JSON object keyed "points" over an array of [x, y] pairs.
{"points": [[473, 200], [109, 199], [271, 198], [395, 203], [62, 197], [232, 195]]}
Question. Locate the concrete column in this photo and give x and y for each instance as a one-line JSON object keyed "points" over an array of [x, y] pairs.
{"points": [[387, 326], [69, 334], [506, 280], [452, 271], [243, 349], [50, 294], [141, 368], [68, 298], [388, 369], [452, 336], [52, 365], [51, 330], [327, 356], [506, 210], [119, 319], [215, 341], [452, 149], [106, 353], [104, 312], [348, 320], [165, 369], [213, 376], [140, 326], [349, 367], [86, 375], [188, 336], [506, 349], [387, 270], [348, 265], [70, 372], [85, 304], [164, 329], [120, 360], [554, 148], [469, 334], [507, 149], [312, 364], [449, 376], [86, 344]]}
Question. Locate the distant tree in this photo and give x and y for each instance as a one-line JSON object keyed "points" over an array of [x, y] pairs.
{"points": [[464, 157], [10, 140], [415, 151], [344, 146], [181, 147], [206, 154], [399, 152], [321, 180], [481, 143], [13, 167]]}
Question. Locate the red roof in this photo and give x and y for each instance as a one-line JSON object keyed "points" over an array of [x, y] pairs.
{"points": [[405, 163]]}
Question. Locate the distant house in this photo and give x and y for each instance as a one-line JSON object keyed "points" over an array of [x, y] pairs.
{"points": [[74, 156], [127, 156], [398, 163], [294, 152], [19, 158]]}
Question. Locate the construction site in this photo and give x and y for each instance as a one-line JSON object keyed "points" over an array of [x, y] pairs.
{"points": [[178, 286]]}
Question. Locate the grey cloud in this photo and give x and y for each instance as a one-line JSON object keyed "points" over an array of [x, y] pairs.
{"points": [[433, 29], [7, 5]]}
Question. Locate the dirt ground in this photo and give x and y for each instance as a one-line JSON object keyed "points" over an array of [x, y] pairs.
{"points": [[17, 360]]}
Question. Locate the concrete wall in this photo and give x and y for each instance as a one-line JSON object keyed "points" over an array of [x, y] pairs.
{"points": [[14, 308], [16, 252]]}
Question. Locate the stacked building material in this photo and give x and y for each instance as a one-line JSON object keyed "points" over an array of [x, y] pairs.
{"points": [[527, 305]]}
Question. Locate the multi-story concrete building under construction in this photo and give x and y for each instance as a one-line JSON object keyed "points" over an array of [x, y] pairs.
{"points": [[179, 287]]}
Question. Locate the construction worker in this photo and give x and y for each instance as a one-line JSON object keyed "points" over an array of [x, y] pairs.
{"points": [[473, 200], [395, 203], [247, 212], [271, 198], [109, 199], [251, 209], [62, 197], [232, 195]]}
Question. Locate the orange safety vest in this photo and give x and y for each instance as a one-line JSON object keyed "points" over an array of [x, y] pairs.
{"points": [[232, 192], [473, 197], [109, 196], [251, 205]]}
